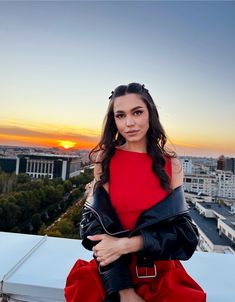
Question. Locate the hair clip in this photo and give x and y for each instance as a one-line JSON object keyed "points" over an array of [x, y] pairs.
{"points": [[112, 92], [143, 87]]}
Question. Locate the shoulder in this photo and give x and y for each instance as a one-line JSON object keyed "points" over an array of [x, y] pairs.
{"points": [[177, 174], [98, 169], [97, 165]]}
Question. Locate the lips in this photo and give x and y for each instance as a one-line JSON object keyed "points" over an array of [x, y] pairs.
{"points": [[132, 132]]}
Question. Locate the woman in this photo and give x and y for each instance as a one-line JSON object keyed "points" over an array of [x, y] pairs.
{"points": [[137, 223]]}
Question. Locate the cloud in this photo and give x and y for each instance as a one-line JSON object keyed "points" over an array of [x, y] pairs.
{"points": [[17, 134], [21, 131]]}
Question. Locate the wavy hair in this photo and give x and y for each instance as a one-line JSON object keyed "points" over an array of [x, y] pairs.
{"points": [[110, 137]]}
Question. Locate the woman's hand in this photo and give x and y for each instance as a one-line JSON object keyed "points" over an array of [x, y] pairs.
{"points": [[111, 248], [108, 249], [129, 295]]}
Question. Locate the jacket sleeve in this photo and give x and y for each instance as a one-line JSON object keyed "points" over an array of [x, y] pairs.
{"points": [[115, 276], [175, 238]]}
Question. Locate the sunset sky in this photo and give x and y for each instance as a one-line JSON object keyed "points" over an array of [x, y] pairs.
{"points": [[60, 60]]}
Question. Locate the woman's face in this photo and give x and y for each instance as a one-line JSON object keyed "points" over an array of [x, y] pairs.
{"points": [[131, 117]]}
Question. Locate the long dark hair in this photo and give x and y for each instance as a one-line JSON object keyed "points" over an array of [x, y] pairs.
{"points": [[110, 137]]}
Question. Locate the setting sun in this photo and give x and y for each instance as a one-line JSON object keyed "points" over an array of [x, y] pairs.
{"points": [[66, 144]]}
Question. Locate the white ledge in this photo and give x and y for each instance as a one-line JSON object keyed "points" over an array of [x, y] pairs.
{"points": [[34, 268]]}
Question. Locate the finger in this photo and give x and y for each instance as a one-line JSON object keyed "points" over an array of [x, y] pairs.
{"points": [[104, 262], [96, 237], [100, 260]]}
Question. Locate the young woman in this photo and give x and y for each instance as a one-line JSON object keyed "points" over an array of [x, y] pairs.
{"points": [[137, 223]]}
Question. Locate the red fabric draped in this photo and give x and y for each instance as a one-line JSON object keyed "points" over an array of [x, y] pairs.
{"points": [[172, 283]]}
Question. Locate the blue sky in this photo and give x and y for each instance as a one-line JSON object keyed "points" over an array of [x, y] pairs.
{"points": [[60, 61]]}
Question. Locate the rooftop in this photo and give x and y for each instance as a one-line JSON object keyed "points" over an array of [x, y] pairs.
{"points": [[34, 268], [48, 155], [209, 227], [222, 210]]}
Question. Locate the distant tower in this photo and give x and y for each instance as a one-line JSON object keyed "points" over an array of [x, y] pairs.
{"points": [[230, 164], [187, 165], [221, 163]]}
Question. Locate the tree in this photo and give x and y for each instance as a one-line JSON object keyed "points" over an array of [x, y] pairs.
{"points": [[54, 195], [68, 186], [65, 227], [57, 181], [9, 213], [52, 211], [36, 222], [54, 233], [23, 178], [7, 182]]}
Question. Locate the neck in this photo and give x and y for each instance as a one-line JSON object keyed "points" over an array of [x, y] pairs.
{"points": [[135, 146]]}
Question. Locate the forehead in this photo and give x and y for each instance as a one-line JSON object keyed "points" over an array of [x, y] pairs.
{"points": [[127, 102]]}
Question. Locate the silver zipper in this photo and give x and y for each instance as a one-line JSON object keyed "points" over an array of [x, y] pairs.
{"points": [[112, 234]]}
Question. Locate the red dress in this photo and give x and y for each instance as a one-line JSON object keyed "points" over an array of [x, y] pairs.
{"points": [[133, 188]]}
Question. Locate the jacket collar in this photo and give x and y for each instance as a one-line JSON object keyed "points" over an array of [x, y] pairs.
{"points": [[169, 207]]}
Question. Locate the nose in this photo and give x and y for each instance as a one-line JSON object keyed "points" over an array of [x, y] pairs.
{"points": [[129, 121]]}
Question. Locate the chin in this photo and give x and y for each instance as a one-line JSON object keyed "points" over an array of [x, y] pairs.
{"points": [[133, 139]]}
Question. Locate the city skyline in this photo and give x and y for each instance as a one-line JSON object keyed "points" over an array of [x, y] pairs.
{"points": [[61, 60]]}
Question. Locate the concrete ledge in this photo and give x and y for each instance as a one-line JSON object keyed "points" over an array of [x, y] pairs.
{"points": [[34, 268]]}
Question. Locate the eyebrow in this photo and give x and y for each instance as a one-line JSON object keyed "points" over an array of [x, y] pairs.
{"points": [[133, 109]]}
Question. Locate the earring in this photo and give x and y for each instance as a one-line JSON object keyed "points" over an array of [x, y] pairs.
{"points": [[116, 136]]}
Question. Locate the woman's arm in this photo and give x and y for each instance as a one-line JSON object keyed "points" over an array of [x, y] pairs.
{"points": [[111, 248], [177, 173], [133, 244]]}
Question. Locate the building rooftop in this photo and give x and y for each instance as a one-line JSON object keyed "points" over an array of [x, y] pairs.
{"points": [[34, 268], [222, 210], [65, 156], [209, 227]]}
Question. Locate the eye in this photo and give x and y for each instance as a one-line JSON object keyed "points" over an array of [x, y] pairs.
{"points": [[119, 116], [138, 112]]}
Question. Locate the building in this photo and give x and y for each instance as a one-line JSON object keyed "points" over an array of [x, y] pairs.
{"points": [[84, 156], [201, 183], [8, 164], [199, 197], [226, 184], [48, 165], [221, 163], [216, 226], [186, 163], [219, 184], [230, 165], [200, 164], [226, 164]]}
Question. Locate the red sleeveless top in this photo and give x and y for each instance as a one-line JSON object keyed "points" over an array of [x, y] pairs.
{"points": [[133, 186]]}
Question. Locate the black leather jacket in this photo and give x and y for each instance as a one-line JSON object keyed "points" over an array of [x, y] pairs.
{"points": [[166, 228]]}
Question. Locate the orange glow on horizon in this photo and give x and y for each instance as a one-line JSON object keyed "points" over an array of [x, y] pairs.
{"points": [[86, 142], [43, 142], [67, 144]]}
